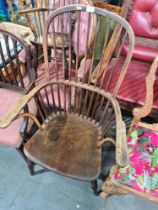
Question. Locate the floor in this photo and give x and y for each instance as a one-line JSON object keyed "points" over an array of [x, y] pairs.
{"points": [[48, 191]]}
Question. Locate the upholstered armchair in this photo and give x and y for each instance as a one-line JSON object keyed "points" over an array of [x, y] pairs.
{"points": [[140, 176]]}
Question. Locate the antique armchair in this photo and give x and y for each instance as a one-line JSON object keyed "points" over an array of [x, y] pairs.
{"points": [[74, 115], [140, 176], [142, 16], [16, 79]]}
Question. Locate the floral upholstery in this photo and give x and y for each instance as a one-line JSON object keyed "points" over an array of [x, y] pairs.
{"points": [[142, 171]]}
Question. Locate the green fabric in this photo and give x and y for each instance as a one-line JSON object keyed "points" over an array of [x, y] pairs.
{"points": [[101, 36]]}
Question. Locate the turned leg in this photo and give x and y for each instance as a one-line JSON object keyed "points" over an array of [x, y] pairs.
{"points": [[30, 166], [109, 188], [94, 186]]}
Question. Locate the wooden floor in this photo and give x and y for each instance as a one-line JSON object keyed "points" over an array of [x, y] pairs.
{"points": [[48, 191]]}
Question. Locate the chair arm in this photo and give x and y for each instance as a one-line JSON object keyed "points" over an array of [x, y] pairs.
{"points": [[150, 79], [27, 11], [121, 139], [14, 112]]}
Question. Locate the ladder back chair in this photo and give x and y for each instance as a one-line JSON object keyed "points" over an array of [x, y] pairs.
{"points": [[68, 141], [16, 79], [140, 176]]}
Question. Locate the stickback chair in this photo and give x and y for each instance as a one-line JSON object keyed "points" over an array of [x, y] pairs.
{"points": [[16, 79], [76, 59], [140, 176], [68, 141]]}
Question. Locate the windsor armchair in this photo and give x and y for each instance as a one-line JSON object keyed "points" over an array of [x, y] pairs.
{"points": [[140, 176], [68, 141], [15, 80]]}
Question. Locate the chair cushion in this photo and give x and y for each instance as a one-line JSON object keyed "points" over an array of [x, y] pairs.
{"points": [[143, 18], [10, 136], [133, 88], [141, 52], [142, 170], [68, 146]]}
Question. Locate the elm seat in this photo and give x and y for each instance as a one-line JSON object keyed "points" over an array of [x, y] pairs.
{"points": [[10, 136], [131, 91], [79, 158]]}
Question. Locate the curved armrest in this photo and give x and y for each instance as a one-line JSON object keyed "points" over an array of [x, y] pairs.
{"points": [[150, 79], [13, 113], [121, 139]]}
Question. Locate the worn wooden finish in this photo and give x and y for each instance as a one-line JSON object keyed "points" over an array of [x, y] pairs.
{"points": [[110, 187], [66, 145]]}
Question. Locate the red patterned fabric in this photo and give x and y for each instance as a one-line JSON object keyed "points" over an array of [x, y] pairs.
{"points": [[133, 88], [142, 171]]}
